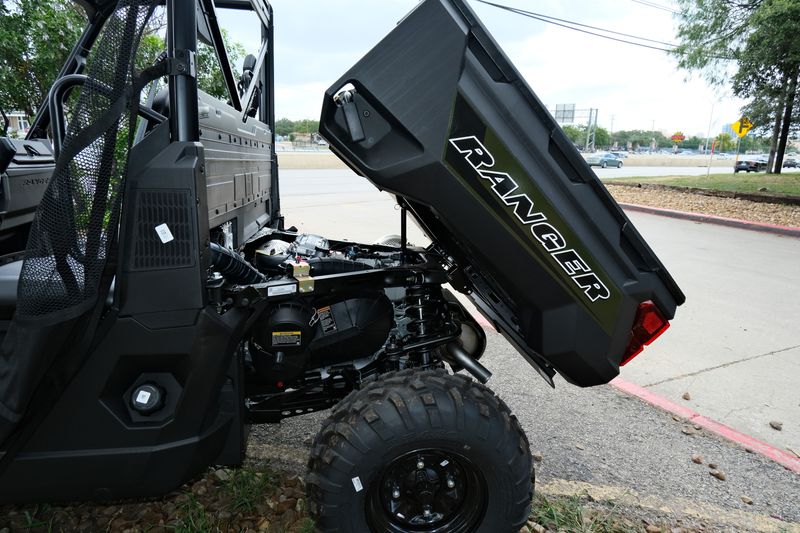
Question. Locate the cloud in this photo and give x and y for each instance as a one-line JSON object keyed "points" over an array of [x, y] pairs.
{"points": [[318, 41]]}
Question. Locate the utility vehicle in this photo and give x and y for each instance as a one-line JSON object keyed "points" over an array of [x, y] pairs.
{"points": [[155, 303]]}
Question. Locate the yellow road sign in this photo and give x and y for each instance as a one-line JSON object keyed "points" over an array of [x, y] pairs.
{"points": [[742, 126]]}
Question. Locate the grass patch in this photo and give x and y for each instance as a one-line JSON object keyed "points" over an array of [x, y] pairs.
{"points": [[742, 182], [571, 514], [248, 487], [251, 497]]}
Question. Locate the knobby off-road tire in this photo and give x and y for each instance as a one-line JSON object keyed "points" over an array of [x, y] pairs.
{"points": [[428, 436]]}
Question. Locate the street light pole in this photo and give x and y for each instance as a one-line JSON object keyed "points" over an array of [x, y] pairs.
{"points": [[708, 134]]}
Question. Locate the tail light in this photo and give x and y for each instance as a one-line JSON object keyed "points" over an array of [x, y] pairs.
{"points": [[647, 327]]}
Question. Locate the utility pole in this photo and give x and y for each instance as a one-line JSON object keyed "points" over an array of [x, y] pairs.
{"points": [[591, 126]]}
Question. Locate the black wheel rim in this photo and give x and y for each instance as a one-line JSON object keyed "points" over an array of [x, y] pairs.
{"points": [[430, 490]]}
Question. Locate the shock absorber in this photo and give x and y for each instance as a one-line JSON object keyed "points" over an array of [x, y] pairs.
{"points": [[426, 310]]}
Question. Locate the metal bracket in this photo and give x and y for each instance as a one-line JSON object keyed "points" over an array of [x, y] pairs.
{"points": [[182, 64], [302, 273]]}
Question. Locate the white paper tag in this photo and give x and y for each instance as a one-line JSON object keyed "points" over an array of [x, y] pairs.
{"points": [[164, 233], [357, 484], [444, 463], [143, 396], [277, 290]]}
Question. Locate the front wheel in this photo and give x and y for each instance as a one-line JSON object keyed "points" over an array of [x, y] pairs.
{"points": [[619, 165], [421, 451], [603, 164]]}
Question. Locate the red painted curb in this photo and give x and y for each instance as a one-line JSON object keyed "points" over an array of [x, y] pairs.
{"points": [[784, 458], [713, 219], [787, 460]]}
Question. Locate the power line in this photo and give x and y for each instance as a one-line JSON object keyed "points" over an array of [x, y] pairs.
{"points": [[571, 26], [657, 6]]}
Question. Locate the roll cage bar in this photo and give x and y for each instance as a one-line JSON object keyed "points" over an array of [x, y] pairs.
{"points": [[188, 22]]}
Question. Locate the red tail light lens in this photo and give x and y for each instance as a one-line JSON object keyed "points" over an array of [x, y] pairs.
{"points": [[647, 327]]}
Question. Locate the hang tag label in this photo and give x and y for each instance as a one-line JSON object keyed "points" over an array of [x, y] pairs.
{"points": [[164, 233]]}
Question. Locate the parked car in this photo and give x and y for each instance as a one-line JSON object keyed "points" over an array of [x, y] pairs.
{"points": [[750, 165], [604, 160], [790, 163]]}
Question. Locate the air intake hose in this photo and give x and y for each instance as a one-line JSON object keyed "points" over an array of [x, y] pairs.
{"points": [[233, 266]]}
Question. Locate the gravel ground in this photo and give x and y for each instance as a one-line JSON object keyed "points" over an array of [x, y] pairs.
{"points": [[781, 215], [613, 451], [615, 448]]}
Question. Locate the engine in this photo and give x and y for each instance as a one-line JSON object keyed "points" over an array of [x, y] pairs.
{"points": [[327, 342]]}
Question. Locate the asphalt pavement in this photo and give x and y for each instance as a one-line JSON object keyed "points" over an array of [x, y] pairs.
{"points": [[734, 347]]}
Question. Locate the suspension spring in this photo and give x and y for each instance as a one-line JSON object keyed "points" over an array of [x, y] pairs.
{"points": [[425, 308]]}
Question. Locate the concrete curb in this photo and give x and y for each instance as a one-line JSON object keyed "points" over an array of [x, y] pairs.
{"points": [[712, 219], [784, 458]]}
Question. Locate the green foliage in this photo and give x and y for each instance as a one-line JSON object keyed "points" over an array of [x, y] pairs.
{"points": [[761, 37], [570, 514], [291, 128], [308, 526], [602, 139], [575, 134], [249, 486], [209, 75], [35, 40], [771, 54], [725, 142], [193, 518], [788, 184]]}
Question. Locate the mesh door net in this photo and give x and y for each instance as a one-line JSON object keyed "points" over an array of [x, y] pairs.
{"points": [[74, 231]]}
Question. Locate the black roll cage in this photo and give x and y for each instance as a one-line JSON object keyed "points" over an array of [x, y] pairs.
{"points": [[188, 22]]}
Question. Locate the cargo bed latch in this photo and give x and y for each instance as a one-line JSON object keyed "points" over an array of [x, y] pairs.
{"points": [[351, 116]]}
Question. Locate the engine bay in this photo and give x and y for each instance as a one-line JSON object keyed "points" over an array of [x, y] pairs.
{"points": [[305, 352]]}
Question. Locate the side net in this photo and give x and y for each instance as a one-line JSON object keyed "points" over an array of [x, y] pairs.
{"points": [[76, 223], [67, 265]]}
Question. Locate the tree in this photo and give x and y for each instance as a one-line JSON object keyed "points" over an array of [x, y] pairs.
{"points": [[724, 142], [574, 134], [601, 137], [284, 127], [35, 40], [209, 75], [760, 36]]}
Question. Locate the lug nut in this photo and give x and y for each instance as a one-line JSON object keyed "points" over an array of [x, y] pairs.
{"points": [[426, 513], [420, 465], [450, 483], [395, 494]]}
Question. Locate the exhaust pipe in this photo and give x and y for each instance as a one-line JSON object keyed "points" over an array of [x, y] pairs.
{"points": [[464, 359]]}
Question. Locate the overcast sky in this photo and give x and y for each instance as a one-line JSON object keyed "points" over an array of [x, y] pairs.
{"points": [[633, 87]]}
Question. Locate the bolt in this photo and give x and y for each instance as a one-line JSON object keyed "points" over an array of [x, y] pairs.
{"points": [[395, 494], [450, 483], [420, 465], [426, 513], [366, 113]]}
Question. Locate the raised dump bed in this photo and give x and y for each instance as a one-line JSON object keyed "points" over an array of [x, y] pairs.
{"points": [[437, 114]]}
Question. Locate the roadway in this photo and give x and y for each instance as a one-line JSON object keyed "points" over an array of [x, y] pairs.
{"points": [[734, 347]]}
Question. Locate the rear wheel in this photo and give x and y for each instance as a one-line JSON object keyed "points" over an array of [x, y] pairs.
{"points": [[619, 165], [421, 451], [603, 164]]}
